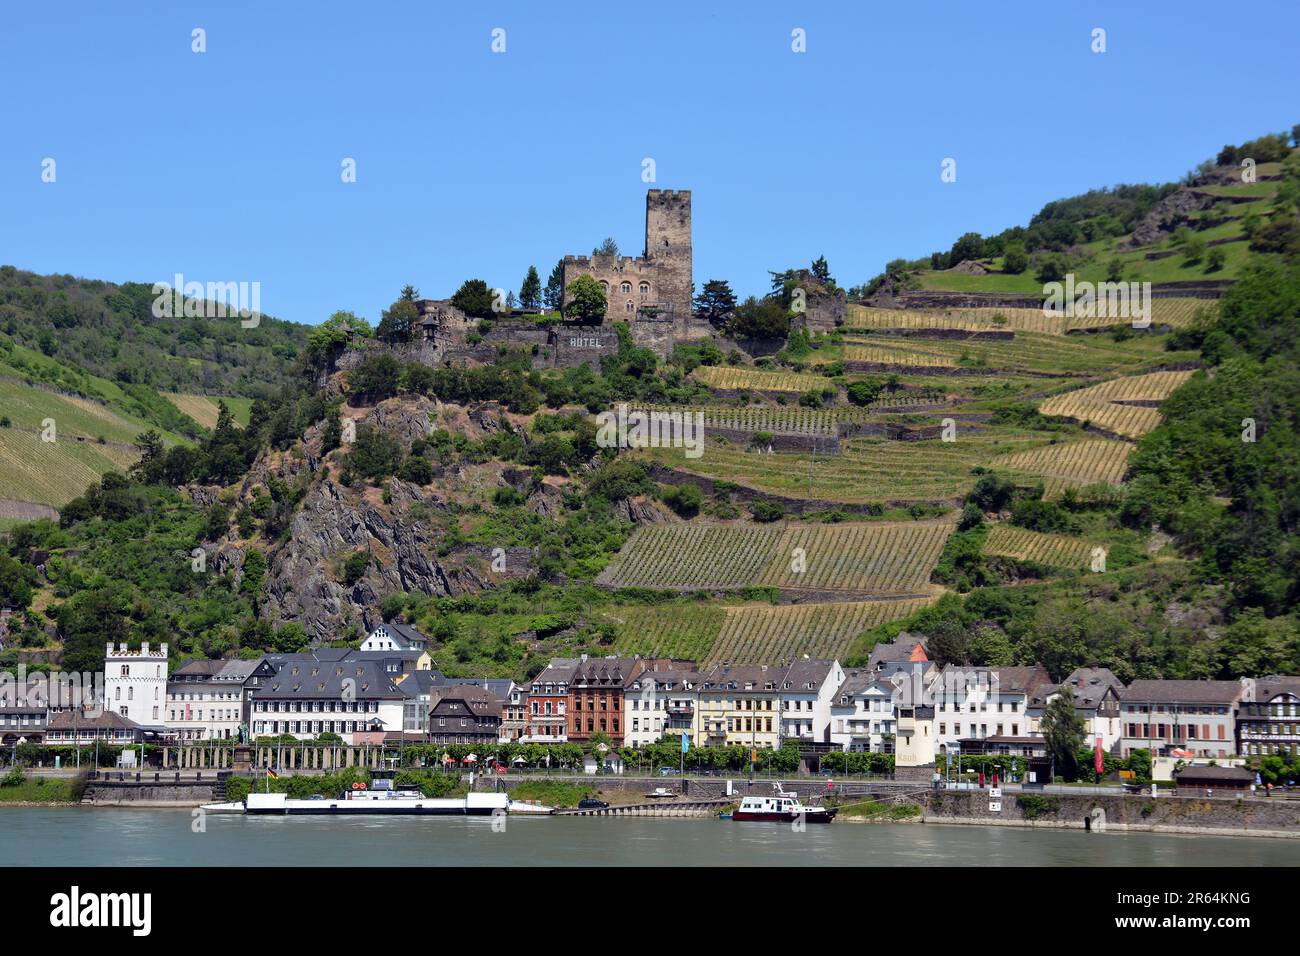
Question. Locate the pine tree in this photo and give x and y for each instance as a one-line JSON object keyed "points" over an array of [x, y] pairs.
{"points": [[716, 302], [410, 293], [530, 291], [554, 294]]}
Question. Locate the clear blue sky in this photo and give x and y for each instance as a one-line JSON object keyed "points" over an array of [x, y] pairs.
{"points": [[225, 165]]}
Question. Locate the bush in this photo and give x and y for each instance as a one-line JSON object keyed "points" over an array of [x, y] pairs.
{"points": [[767, 511]]}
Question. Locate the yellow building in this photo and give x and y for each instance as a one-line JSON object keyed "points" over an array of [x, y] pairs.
{"points": [[739, 705]]}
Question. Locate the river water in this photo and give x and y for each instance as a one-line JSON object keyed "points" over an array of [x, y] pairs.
{"points": [[74, 836]]}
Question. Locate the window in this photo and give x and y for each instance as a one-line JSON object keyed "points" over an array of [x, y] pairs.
{"points": [[645, 288], [629, 307], [625, 288]]}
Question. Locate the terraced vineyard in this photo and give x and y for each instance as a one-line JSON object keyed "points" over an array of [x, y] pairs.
{"points": [[758, 380], [1073, 463], [873, 557], [757, 635], [1050, 550], [886, 353], [685, 632], [865, 471], [791, 419], [1101, 404], [1172, 312], [28, 406], [53, 473], [1032, 351]]}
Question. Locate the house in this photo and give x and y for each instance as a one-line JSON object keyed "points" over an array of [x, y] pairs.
{"points": [[596, 692], [976, 702], [1204, 781], [1196, 717], [660, 701], [514, 715], [546, 720], [208, 700], [24, 710], [904, 649], [739, 705], [464, 714], [81, 728], [862, 713], [1269, 723], [309, 697], [1096, 692], [807, 688], [392, 636], [135, 682]]}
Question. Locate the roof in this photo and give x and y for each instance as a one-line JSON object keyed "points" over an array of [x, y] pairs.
{"points": [[596, 672], [1027, 680], [219, 670], [1183, 691], [806, 671], [905, 647], [107, 719], [737, 676], [447, 700], [1214, 774], [366, 680], [405, 631], [1266, 688], [558, 671]]}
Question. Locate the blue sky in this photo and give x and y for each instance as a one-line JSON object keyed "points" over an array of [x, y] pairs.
{"points": [[226, 165]]}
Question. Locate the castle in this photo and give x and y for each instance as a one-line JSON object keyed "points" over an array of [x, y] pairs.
{"points": [[655, 285]]}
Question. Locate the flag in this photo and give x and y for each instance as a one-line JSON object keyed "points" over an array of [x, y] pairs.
{"points": [[271, 773], [1099, 762]]}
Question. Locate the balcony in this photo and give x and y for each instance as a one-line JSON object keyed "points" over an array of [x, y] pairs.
{"points": [[680, 710]]}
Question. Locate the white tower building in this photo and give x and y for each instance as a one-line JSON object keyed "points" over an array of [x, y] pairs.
{"points": [[135, 683]]}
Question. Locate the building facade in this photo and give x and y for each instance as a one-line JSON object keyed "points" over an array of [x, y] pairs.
{"points": [[596, 697], [135, 682], [1196, 717], [740, 705], [661, 701], [659, 283], [1269, 724], [546, 716], [807, 689]]}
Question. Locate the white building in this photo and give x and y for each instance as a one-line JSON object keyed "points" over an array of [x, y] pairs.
{"points": [[307, 698], [208, 700], [862, 713], [978, 703], [135, 683], [661, 702], [391, 636], [806, 690], [1097, 692]]}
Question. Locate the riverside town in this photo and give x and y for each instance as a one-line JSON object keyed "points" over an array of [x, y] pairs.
{"points": [[658, 436]]}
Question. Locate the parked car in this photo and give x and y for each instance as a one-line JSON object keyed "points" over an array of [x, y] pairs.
{"points": [[666, 771], [592, 804]]}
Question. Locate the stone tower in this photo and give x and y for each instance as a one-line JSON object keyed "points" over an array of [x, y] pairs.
{"points": [[135, 682], [651, 292], [668, 246]]}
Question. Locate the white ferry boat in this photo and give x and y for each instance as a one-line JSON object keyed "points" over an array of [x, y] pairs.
{"points": [[781, 807], [380, 797]]}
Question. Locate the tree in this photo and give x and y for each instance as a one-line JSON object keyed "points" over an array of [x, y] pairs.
{"points": [[1014, 258], [474, 298], [530, 290], [716, 301], [409, 293], [607, 248], [553, 297], [398, 322], [1052, 269], [759, 319], [822, 271], [1064, 732], [969, 246], [587, 303]]}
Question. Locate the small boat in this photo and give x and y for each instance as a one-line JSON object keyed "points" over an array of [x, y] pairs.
{"points": [[781, 807], [381, 796]]}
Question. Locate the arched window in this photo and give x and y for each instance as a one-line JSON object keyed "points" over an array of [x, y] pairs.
{"points": [[604, 284], [629, 307], [645, 288], [625, 288]]}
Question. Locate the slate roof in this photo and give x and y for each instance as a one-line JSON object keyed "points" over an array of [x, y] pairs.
{"points": [[803, 672], [309, 680], [1223, 692], [68, 720], [737, 676], [1266, 688]]}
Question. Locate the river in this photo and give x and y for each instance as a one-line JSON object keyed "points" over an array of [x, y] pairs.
{"points": [[74, 836]]}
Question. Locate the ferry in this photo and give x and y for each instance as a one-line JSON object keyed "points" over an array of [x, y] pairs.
{"points": [[781, 807], [381, 796]]}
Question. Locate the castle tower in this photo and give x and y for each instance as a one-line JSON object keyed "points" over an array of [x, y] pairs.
{"points": [[135, 682], [668, 246]]}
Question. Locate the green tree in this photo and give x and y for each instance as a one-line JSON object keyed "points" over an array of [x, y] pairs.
{"points": [[822, 271], [1014, 258], [1064, 731], [759, 319], [607, 248], [398, 322], [553, 296], [716, 301], [587, 303], [474, 298], [530, 290]]}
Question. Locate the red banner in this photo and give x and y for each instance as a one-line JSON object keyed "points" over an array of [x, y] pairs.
{"points": [[1100, 762]]}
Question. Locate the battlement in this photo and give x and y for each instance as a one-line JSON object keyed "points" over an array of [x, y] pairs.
{"points": [[124, 651], [637, 261], [667, 194]]}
